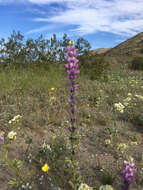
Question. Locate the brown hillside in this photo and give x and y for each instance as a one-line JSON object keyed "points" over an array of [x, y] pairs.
{"points": [[127, 50], [100, 50]]}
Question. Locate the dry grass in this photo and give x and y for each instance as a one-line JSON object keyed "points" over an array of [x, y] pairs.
{"points": [[27, 93]]}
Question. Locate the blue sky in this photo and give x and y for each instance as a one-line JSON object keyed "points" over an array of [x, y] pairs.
{"points": [[104, 23]]}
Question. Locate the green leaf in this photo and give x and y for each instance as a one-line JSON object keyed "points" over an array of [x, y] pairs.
{"points": [[28, 140], [13, 182], [79, 178], [17, 163], [71, 183]]}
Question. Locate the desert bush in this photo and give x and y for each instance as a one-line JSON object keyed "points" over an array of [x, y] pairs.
{"points": [[94, 66], [136, 64], [141, 50]]}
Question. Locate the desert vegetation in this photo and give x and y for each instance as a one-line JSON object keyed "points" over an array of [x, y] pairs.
{"points": [[35, 146]]}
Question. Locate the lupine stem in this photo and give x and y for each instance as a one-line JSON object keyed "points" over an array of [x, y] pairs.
{"points": [[72, 71]]}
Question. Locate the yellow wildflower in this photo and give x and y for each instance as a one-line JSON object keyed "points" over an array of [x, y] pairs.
{"points": [[107, 141], [122, 147], [52, 89], [119, 107], [71, 42], [128, 99], [15, 119], [11, 135], [87, 105], [84, 186], [53, 98], [131, 159], [139, 96], [134, 143], [106, 187], [45, 168], [54, 137], [129, 94]]}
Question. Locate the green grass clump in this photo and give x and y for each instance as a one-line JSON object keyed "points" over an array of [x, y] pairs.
{"points": [[137, 63]]}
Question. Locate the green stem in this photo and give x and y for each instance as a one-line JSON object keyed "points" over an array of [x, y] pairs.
{"points": [[12, 166]]}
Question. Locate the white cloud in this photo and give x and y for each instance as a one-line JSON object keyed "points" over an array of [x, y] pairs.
{"points": [[122, 17], [35, 11]]}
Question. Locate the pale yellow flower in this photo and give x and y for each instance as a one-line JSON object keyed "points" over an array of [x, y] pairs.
{"points": [[45, 168], [126, 103], [71, 42], [131, 159], [46, 146], [87, 105], [84, 186], [119, 107], [52, 98], [129, 94], [122, 147], [11, 135], [52, 89], [53, 137], [128, 99], [139, 96], [134, 143], [107, 141], [106, 187], [15, 119]]}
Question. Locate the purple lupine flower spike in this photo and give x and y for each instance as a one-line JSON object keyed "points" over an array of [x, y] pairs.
{"points": [[128, 173], [72, 71]]}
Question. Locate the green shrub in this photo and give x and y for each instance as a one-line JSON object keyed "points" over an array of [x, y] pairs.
{"points": [[137, 63], [141, 50], [94, 66]]}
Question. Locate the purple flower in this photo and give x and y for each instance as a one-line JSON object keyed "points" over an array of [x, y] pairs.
{"points": [[72, 71], [1, 139], [72, 119], [72, 60], [128, 173], [70, 48], [72, 96], [72, 129], [72, 103], [71, 53]]}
